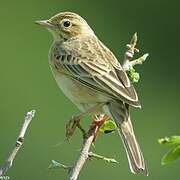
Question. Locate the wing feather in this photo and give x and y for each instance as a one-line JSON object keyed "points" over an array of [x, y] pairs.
{"points": [[105, 75]]}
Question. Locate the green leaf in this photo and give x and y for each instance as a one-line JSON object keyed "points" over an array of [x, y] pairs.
{"points": [[133, 75], [169, 140], [108, 127], [172, 155]]}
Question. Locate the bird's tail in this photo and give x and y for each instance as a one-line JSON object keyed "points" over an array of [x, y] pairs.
{"points": [[120, 114]]}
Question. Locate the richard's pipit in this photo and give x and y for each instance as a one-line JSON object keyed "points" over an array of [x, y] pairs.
{"points": [[92, 78]]}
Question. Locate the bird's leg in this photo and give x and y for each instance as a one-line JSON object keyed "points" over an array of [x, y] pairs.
{"points": [[98, 121], [71, 126], [75, 120]]}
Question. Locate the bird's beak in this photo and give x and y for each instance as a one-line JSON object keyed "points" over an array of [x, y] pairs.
{"points": [[45, 23]]}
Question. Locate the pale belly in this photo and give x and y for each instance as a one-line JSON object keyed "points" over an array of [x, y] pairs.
{"points": [[84, 98]]}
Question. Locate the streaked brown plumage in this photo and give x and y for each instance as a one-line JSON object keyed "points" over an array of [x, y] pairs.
{"points": [[89, 74]]}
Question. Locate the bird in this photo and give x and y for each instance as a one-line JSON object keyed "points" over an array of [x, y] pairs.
{"points": [[90, 75]]}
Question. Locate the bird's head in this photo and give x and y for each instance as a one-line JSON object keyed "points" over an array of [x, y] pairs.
{"points": [[66, 25]]}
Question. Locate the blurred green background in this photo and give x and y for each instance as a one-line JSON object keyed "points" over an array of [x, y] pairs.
{"points": [[27, 83]]}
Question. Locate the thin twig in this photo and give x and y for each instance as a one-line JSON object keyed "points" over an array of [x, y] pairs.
{"points": [[139, 60], [97, 156], [8, 163], [130, 50], [55, 164], [129, 54]]}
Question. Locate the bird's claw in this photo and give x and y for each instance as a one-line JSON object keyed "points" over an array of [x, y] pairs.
{"points": [[98, 121], [71, 126]]}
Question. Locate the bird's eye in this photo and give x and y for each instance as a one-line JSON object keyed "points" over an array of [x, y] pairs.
{"points": [[66, 24]]}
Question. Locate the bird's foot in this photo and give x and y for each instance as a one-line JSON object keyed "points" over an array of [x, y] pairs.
{"points": [[71, 126], [98, 121]]}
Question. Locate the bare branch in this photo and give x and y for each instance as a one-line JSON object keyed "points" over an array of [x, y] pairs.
{"points": [[84, 153], [130, 50], [89, 138], [8, 163], [129, 54]]}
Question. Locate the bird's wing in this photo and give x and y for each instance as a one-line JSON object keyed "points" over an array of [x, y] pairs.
{"points": [[92, 64]]}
